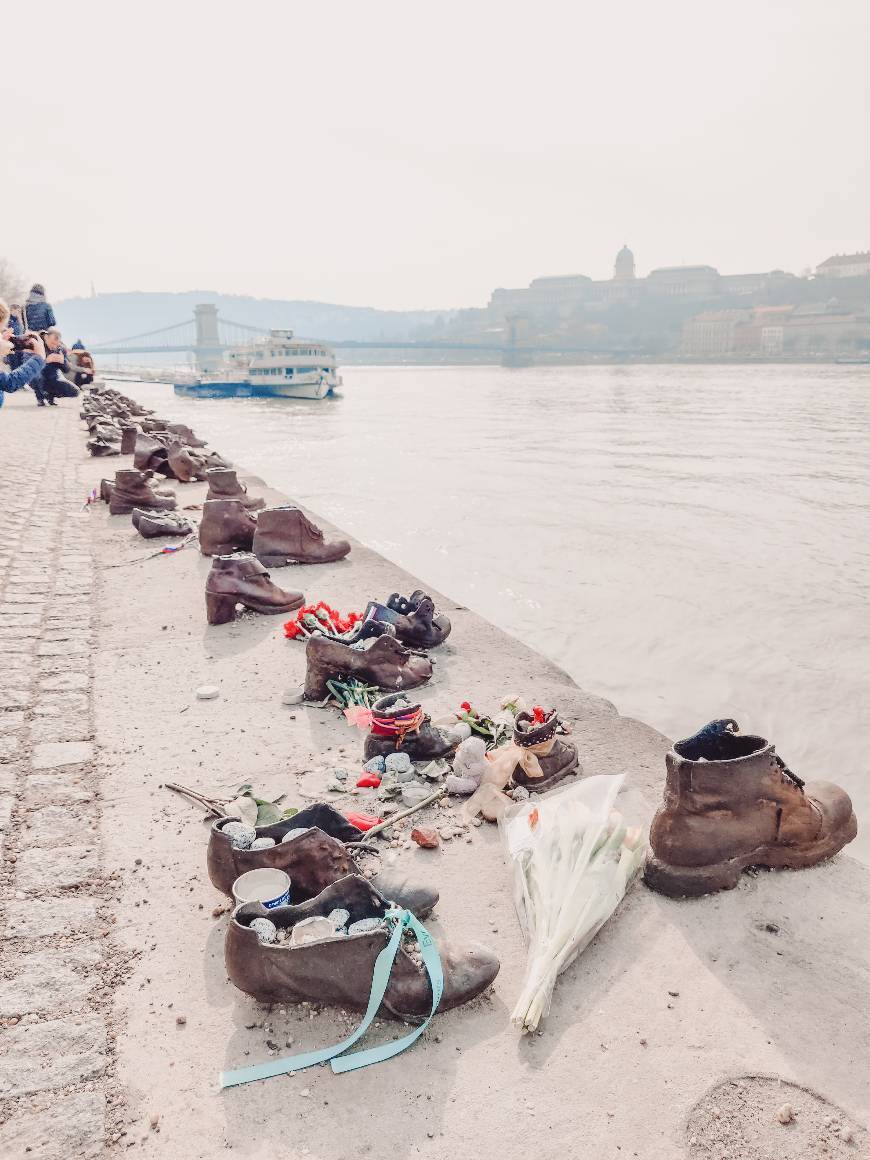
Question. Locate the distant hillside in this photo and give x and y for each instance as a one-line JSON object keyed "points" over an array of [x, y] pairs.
{"points": [[111, 316]]}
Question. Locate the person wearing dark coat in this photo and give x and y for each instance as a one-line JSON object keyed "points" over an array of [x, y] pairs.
{"points": [[38, 313], [53, 384], [16, 325]]}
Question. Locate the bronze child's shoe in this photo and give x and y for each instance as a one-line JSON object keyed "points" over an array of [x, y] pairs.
{"points": [[314, 860], [381, 661], [286, 536], [226, 527], [547, 759], [399, 726], [134, 489], [223, 484], [731, 803], [185, 434], [243, 580], [102, 447], [417, 622], [339, 970]]}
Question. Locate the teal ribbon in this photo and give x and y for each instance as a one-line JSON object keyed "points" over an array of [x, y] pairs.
{"points": [[401, 920]]}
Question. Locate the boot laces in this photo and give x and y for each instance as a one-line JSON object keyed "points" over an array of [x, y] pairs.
{"points": [[787, 773]]}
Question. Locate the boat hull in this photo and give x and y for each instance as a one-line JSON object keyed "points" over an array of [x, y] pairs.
{"points": [[242, 389]]}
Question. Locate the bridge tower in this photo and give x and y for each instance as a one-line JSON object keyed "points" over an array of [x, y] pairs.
{"points": [[208, 344], [514, 352]]}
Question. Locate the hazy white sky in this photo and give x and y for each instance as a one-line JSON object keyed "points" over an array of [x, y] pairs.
{"points": [[403, 154]]}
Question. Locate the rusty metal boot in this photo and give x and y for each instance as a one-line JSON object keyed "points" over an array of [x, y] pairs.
{"points": [[184, 466], [243, 580], [134, 489], [223, 484], [382, 661], [313, 858], [286, 536], [226, 527], [339, 970], [400, 726], [731, 803], [544, 758]]}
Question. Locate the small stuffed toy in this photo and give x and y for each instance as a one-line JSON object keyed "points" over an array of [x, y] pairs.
{"points": [[469, 766]]}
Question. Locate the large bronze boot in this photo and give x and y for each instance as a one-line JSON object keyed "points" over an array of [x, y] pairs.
{"points": [[184, 466], [731, 803], [286, 536], [223, 484], [243, 580], [226, 527], [339, 970], [384, 662], [134, 489]]}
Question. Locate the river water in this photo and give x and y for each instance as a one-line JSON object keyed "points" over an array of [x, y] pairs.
{"points": [[689, 542]]}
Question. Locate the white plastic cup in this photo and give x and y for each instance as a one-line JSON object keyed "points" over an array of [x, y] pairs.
{"points": [[266, 885]]}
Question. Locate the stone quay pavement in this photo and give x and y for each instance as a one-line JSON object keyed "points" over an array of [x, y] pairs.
{"points": [[58, 961], [677, 1035]]}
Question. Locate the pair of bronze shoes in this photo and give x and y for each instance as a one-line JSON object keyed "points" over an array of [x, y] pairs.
{"points": [[277, 536], [324, 878]]}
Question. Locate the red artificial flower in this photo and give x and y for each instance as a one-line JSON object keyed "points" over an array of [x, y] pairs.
{"points": [[465, 705], [362, 821], [539, 715], [370, 781]]}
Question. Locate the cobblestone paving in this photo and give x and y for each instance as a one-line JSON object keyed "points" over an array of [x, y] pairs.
{"points": [[57, 966]]}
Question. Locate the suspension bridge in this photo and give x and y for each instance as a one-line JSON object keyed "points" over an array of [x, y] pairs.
{"points": [[207, 336]]}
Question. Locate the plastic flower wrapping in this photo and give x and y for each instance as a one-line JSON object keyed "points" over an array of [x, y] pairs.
{"points": [[573, 860]]}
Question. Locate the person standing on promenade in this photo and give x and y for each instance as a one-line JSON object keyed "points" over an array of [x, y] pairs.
{"points": [[17, 327], [38, 313]]}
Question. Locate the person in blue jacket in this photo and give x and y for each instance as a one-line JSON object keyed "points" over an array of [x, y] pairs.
{"points": [[16, 325], [14, 380], [38, 313]]}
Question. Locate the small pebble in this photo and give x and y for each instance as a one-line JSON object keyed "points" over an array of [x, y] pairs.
{"points": [[266, 930], [207, 692], [375, 765], [426, 837], [291, 834], [181, 1020], [339, 917], [365, 925], [155, 1120], [397, 763], [340, 774], [785, 1114], [262, 843], [240, 835]]}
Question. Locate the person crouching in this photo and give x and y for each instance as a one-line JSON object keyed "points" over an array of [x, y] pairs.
{"points": [[53, 384]]}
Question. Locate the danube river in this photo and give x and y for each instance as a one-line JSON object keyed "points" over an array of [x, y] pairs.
{"points": [[689, 542]]}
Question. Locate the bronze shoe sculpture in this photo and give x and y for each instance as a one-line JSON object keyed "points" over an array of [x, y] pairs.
{"points": [[223, 484], [544, 758], [106, 486], [149, 453], [285, 536], [399, 726], [731, 803], [185, 434], [415, 620], [185, 466], [134, 489], [243, 580], [101, 447], [150, 523], [314, 860], [226, 527], [377, 660], [339, 970], [128, 439]]}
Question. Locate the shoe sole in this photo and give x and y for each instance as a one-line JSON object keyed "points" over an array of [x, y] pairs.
{"points": [[696, 881], [283, 561]]}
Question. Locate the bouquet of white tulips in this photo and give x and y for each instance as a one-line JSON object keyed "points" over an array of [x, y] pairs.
{"points": [[573, 860]]}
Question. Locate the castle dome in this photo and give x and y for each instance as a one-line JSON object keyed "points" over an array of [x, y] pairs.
{"points": [[623, 267]]}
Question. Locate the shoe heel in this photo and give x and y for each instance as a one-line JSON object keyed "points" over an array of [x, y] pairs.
{"points": [[692, 881], [220, 609]]}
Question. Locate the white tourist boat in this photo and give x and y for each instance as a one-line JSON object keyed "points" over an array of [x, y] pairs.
{"points": [[276, 367]]}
